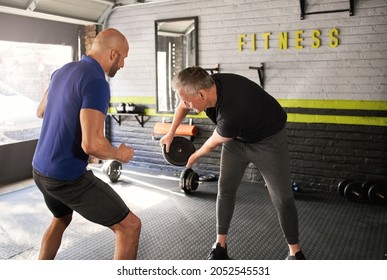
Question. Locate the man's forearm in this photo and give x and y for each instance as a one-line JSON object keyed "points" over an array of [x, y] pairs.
{"points": [[180, 114]]}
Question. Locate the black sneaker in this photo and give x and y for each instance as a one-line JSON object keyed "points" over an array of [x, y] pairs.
{"points": [[299, 256], [218, 253]]}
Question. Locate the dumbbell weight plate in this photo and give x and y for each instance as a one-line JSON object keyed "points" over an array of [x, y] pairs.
{"points": [[367, 185], [193, 181], [179, 151], [189, 180], [112, 169], [354, 191], [184, 179], [377, 194], [343, 184]]}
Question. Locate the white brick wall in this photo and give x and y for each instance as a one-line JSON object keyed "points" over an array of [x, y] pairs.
{"points": [[355, 70]]}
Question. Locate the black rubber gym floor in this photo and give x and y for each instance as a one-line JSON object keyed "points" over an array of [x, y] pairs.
{"points": [[180, 227]]}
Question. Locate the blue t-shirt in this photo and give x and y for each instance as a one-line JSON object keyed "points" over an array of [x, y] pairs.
{"points": [[75, 86]]}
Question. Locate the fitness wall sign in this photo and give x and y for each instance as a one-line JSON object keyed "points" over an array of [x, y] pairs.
{"points": [[283, 39]]}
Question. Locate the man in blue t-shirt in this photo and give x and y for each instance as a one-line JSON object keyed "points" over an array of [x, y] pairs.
{"points": [[74, 109], [250, 126]]}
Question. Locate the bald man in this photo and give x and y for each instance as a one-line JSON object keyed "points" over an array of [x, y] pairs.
{"points": [[74, 110]]}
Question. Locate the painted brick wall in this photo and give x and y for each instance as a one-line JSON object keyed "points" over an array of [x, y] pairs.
{"points": [[335, 97]]}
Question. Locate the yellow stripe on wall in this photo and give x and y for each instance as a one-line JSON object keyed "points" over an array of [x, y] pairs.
{"points": [[133, 99], [334, 104], [334, 119]]}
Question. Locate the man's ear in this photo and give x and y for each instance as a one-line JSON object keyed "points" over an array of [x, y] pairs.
{"points": [[112, 54]]}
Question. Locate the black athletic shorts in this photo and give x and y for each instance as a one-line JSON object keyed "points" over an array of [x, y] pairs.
{"points": [[89, 196]]}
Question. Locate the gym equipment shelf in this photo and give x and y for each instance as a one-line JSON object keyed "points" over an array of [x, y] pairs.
{"points": [[117, 117]]}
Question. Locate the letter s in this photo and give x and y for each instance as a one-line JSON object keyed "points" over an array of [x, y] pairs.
{"points": [[333, 34]]}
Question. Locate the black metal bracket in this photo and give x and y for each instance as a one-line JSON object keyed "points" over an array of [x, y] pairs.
{"points": [[213, 69], [117, 118], [351, 9], [261, 73]]}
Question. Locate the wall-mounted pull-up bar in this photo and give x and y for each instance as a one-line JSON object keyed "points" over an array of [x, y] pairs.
{"points": [[351, 9], [261, 73]]}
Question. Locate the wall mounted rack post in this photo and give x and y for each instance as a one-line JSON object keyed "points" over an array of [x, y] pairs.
{"points": [[351, 9], [261, 73], [211, 70]]}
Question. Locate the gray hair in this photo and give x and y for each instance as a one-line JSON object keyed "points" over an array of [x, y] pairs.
{"points": [[192, 79]]}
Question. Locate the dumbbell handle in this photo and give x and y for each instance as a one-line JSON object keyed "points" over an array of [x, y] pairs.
{"points": [[356, 193], [380, 195]]}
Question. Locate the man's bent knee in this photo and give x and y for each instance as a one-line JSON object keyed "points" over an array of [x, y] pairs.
{"points": [[130, 223], [63, 221], [134, 222]]}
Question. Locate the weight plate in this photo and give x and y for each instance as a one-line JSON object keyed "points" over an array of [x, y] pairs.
{"points": [[179, 151], [378, 194], [112, 169], [188, 183], [184, 178], [367, 185], [342, 185], [193, 181], [354, 191]]}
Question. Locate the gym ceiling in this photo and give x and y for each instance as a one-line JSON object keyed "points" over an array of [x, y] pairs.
{"points": [[82, 12]]}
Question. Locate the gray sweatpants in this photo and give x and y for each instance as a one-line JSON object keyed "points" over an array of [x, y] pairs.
{"points": [[271, 157]]}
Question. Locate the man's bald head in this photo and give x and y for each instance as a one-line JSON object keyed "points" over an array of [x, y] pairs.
{"points": [[110, 48], [109, 39]]}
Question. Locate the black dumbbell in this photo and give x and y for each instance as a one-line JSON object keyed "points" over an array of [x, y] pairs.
{"points": [[112, 169], [189, 180], [377, 193], [343, 184], [354, 191], [366, 186], [365, 190], [296, 187]]}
